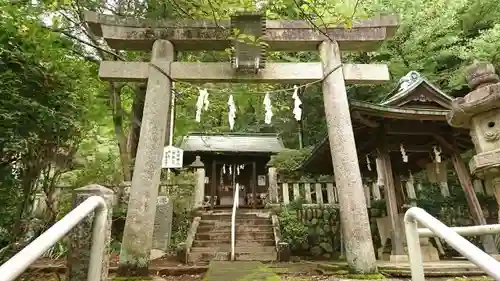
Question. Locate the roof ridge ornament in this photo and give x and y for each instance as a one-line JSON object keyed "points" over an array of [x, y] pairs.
{"points": [[409, 79]]}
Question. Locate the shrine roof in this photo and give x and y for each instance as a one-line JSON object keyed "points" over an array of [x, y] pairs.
{"points": [[414, 115], [414, 90], [232, 143]]}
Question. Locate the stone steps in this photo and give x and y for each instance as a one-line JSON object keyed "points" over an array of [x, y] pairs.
{"points": [[208, 243], [246, 221], [239, 228], [224, 216], [223, 253], [254, 238], [226, 235]]}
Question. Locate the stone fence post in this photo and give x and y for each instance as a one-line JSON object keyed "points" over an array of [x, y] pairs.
{"points": [[199, 189], [78, 259], [272, 175]]}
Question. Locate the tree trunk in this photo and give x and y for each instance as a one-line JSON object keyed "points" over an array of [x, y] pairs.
{"points": [[135, 126], [121, 138]]}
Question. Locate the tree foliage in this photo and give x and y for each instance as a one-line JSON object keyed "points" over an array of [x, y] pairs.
{"points": [[45, 111], [61, 125]]}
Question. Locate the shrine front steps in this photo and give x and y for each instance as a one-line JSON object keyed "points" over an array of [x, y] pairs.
{"points": [[254, 237]]}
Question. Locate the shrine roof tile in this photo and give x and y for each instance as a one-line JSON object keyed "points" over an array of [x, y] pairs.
{"points": [[408, 84]]}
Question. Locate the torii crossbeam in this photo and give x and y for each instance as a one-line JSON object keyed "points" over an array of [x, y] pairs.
{"points": [[162, 37]]}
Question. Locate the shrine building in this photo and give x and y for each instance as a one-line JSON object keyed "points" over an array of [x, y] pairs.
{"points": [[230, 160]]}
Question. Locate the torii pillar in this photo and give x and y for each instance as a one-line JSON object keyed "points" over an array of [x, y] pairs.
{"points": [[354, 218]]}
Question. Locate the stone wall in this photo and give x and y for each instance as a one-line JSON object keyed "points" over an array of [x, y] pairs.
{"points": [[323, 235]]}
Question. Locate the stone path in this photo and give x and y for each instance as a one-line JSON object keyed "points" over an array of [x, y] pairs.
{"points": [[239, 271]]}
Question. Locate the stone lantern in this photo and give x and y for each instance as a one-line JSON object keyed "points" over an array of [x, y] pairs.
{"points": [[479, 111], [199, 189]]}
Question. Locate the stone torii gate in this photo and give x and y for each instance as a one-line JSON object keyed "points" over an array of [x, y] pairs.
{"points": [[248, 64]]}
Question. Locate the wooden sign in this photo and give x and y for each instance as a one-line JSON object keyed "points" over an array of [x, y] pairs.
{"points": [[172, 157]]}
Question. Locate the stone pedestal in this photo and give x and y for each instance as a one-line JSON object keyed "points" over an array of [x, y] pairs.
{"points": [[429, 252], [78, 259], [163, 223]]}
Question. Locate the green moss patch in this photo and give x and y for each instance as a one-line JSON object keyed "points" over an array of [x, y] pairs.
{"points": [[373, 276], [240, 271], [142, 278]]}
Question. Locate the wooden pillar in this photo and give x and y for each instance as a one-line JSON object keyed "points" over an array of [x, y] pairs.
{"points": [[474, 205], [213, 185], [392, 208], [138, 233], [437, 173], [360, 254], [376, 191], [254, 184], [410, 190], [366, 187], [398, 188]]}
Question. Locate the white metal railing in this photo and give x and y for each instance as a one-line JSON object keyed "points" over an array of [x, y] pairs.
{"points": [[236, 202], [451, 235], [16, 265]]}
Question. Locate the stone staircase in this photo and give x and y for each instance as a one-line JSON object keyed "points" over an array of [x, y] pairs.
{"points": [[254, 237]]}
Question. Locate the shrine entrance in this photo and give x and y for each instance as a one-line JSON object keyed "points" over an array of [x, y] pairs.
{"points": [[233, 160], [228, 178], [248, 64]]}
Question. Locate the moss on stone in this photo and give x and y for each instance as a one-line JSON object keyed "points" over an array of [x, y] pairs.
{"points": [[143, 278], [373, 276], [484, 278], [240, 271]]}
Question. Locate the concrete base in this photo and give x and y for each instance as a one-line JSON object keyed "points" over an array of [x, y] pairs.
{"points": [[429, 253], [398, 258]]}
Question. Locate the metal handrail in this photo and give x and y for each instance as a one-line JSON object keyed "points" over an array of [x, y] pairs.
{"points": [[236, 202], [16, 265], [416, 215]]}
